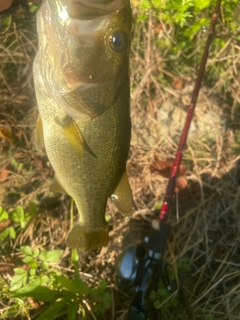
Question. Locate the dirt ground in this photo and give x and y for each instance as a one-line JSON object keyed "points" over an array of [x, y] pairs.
{"points": [[204, 215]]}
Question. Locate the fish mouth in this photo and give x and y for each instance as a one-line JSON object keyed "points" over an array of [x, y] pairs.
{"points": [[91, 9], [84, 18]]}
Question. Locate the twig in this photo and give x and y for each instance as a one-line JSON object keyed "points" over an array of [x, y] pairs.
{"points": [[212, 287], [89, 308], [113, 306]]}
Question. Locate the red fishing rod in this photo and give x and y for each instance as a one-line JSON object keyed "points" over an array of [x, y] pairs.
{"points": [[163, 215], [139, 265]]}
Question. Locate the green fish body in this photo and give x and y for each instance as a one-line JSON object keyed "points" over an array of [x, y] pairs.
{"points": [[81, 76]]}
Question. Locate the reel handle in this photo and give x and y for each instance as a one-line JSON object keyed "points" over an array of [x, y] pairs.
{"points": [[156, 246]]}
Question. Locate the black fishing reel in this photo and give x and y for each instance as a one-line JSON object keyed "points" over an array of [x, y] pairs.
{"points": [[130, 266], [139, 267]]}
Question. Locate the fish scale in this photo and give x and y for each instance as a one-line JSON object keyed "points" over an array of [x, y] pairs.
{"points": [[84, 115]]}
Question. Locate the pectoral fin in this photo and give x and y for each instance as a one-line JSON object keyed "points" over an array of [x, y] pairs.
{"points": [[74, 136], [39, 140], [57, 187], [122, 196]]}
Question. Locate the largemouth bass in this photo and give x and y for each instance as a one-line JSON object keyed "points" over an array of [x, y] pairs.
{"points": [[81, 76]]}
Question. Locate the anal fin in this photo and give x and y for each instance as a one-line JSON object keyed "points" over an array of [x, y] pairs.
{"points": [[122, 196], [57, 187]]}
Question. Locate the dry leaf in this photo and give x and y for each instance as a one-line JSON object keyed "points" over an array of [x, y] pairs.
{"points": [[182, 182], [4, 5], [4, 224], [3, 175], [158, 28], [6, 267], [164, 168], [177, 83], [39, 163], [6, 134]]}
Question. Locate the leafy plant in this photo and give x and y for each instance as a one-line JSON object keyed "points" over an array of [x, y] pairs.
{"points": [[38, 271], [157, 205], [33, 7], [179, 31], [17, 166], [165, 295], [17, 220], [40, 279], [4, 221]]}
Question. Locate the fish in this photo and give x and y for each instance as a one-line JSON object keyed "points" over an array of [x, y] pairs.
{"points": [[82, 86]]}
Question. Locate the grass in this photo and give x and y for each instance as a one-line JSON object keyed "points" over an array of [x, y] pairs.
{"points": [[205, 216]]}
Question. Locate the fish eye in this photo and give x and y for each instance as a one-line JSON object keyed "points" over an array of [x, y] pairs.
{"points": [[118, 42]]}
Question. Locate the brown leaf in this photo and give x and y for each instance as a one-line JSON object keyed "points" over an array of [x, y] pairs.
{"points": [[177, 83], [158, 28], [6, 267], [4, 5], [34, 303], [182, 182], [6, 134], [164, 168], [39, 163], [4, 224], [3, 175]]}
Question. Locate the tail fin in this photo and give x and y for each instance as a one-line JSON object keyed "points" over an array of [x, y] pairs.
{"points": [[84, 239]]}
